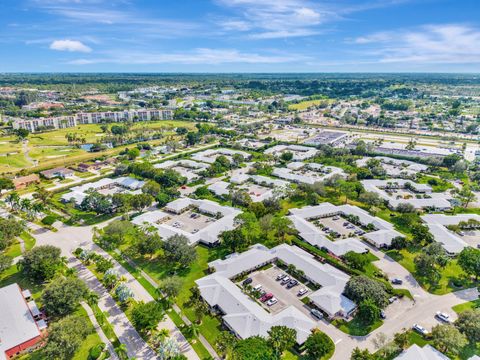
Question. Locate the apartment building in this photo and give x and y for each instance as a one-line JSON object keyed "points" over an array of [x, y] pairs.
{"points": [[62, 122]]}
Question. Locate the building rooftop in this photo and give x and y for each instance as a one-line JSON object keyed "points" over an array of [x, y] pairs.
{"points": [[17, 324], [416, 352]]}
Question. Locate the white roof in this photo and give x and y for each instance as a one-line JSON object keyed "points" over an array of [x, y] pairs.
{"points": [[299, 152], [78, 193], [382, 236], [208, 234], [220, 188], [209, 156], [437, 225], [246, 317], [415, 352], [435, 200], [307, 173], [16, 321]]}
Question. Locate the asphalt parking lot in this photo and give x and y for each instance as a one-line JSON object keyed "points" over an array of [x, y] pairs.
{"points": [[285, 297], [337, 225]]}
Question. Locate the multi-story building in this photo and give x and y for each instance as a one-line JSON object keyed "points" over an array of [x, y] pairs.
{"points": [[62, 122]]}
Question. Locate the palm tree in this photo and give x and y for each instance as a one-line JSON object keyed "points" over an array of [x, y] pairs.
{"points": [[13, 200], [42, 195], [122, 351]]}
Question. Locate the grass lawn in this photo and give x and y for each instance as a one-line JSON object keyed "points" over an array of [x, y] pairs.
{"points": [[12, 275], [28, 239], [356, 327], [475, 304], [451, 274], [14, 250], [303, 105]]}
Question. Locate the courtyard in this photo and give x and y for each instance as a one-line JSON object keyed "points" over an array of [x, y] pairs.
{"points": [[190, 221], [338, 225]]}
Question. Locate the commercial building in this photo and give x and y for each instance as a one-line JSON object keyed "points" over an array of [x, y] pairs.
{"points": [[21, 323], [401, 191], [62, 122], [452, 242], [332, 138], [307, 173], [246, 318], [199, 220], [380, 233]]}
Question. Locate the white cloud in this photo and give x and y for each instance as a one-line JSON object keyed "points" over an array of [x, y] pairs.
{"points": [[70, 45], [198, 56], [445, 43]]}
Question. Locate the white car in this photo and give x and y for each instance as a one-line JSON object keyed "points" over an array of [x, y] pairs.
{"points": [[302, 292], [443, 317], [420, 329], [271, 302]]}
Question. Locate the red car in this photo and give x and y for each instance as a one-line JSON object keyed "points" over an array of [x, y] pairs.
{"points": [[266, 297]]}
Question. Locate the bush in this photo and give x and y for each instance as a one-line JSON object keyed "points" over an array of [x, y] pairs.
{"points": [[49, 220], [96, 351]]}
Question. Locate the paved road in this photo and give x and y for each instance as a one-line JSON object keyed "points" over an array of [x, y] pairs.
{"points": [[98, 329], [68, 238]]}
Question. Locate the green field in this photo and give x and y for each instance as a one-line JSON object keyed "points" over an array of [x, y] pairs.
{"points": [[52, 149], [304, 105]]}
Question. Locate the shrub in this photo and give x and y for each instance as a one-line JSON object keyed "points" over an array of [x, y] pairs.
{"points": [[49, 220]]}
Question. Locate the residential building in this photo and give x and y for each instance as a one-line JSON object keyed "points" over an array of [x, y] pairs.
{"points": [[401, 191], [246, 318], [68, 121], [24, 181], [209, 156], [204, 225], [299, 152], [452, 242], [307, 173], [21, 324], [416, 352], [59, 172], [187, 168]]}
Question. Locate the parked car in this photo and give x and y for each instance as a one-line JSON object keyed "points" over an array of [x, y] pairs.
{"points": [[261, 293], [382, 314], [392, 299], [397, 281], [302, 292], [271, 302], [266, 297], [420, 329], [285, 280], [257, 287], [280, 276], [318, 314], [292, 284], [443, 317], [247, 281]]}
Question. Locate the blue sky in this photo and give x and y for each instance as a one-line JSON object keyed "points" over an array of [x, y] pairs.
{"points": [[240, 35]]}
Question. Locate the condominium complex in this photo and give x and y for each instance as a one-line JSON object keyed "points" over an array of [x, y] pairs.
{"points": [[62, 122]]}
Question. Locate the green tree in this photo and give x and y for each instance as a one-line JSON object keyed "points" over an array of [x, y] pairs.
{"points": [[469, 261], [178, 251], [318, 345], [234, 239], [171, 286], [468, 323], [6, 184], [368, 312], [63, 295], [65, 337], [146, 316], [41, 263], [252, 348], [356, 260], [448, 339], [281, 338], [361, 288], [225, 343]]}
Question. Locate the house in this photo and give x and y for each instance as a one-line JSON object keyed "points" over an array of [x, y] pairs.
{"points": [[59, 172], [299, 152], [24, 181], [246, 318], [210, 155], [189, 169], [416, 352], [21, 325]]}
